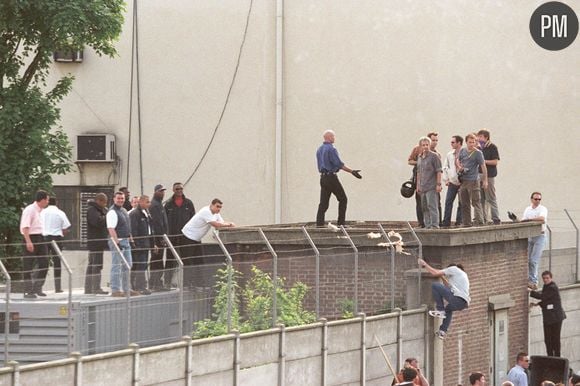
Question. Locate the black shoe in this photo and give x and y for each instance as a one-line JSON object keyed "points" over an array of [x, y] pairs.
{"points": [[40, 293], [58, 291], [30, 296], [145, 292], [100, 291]]}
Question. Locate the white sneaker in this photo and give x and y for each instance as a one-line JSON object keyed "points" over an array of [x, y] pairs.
{"points": [[437, 314], [440, 334]]}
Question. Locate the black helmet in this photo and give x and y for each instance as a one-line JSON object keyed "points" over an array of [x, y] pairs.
{"points": [[408, 189]]}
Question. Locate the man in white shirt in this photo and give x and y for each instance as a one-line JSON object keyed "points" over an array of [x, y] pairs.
{"points": [[34, 261], [451, 180], [455, 292], [197, 227], [55, 225], [539, 213]]}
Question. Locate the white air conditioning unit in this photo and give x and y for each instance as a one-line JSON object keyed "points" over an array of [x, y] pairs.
{"points": [[96, 148]]}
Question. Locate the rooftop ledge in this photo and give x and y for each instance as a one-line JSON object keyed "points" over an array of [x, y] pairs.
{"points": [[293, 234]]}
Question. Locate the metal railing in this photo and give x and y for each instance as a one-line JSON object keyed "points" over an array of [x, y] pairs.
{"points": [[333, 263], [6, 313]]}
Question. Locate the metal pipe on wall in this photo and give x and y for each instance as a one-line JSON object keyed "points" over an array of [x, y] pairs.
{"points": [[6, 313], [279, 109]]}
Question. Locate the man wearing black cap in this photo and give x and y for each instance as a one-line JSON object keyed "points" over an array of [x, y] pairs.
{"points": [[159, 224]]}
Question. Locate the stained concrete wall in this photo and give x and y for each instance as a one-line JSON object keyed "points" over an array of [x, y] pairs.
{"points": [[331, 353], [570, 328], [380, 73]]}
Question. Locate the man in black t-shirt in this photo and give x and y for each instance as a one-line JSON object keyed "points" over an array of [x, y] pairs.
{"points": [[488, 198]]}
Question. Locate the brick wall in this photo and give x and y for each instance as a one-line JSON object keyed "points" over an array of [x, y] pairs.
{"points": [[494, 269], [336, 276], [495, 258]]}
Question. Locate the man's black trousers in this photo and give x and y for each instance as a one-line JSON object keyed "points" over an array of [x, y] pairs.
{"points": [[329, 184], [552, 338]]}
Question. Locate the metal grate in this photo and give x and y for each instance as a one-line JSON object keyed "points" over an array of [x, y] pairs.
{"points": [[85, 197]]}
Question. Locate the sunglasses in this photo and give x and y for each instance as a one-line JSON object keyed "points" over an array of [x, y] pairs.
{"points": [[537, 199]]}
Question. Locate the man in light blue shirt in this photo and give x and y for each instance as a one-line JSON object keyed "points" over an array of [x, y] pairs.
{"points": [[517, 374]]}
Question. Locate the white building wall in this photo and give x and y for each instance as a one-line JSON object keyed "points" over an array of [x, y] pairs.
{"points": [[381, 74]]}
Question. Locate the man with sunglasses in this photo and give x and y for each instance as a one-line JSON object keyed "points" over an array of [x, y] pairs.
{"points": [[539, 213], [518, 374], [179, 210]]}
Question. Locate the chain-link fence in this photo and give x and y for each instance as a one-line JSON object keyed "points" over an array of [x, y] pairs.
{"points": [[248, 278]]}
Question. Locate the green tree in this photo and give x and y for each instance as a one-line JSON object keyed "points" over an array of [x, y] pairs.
{"points": [[226, 288], [33, 147]]}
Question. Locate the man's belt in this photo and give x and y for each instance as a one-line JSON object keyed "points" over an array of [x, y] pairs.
{"points": [[327, 173]]}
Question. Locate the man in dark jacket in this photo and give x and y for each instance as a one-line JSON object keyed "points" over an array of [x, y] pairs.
{"points": [[96, 243], [157, 269], [179, 211], [552, 313], [127, 204], [141, 231]]}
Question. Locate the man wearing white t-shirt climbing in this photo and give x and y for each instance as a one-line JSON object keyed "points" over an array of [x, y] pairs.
{"points": [[455, 291]]}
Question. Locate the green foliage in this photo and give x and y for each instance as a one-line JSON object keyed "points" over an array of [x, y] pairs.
{"points": [[258, 302], [346, 308], [218, 324], [33, 148]]}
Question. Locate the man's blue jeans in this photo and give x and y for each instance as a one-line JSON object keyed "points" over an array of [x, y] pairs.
{"points": [[452, 192], [454, 303], [119, 272], [535, 249]]}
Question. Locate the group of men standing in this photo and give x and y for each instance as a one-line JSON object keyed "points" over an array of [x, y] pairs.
{"points": [[131, 230], [468, 172], [133, 235]]}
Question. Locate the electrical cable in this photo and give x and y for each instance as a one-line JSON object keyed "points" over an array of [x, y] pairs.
{"points": [[131, 92], [227, 96]]}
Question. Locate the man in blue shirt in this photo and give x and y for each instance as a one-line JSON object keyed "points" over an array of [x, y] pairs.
{"points": [[517, 374], [329, 164]]}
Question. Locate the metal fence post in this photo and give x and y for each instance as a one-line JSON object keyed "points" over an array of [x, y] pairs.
{"points": [[363, 348], [274, 277], [180, 275], [7, 312], [317, 253], [420, 256], [128, 294], [230, 269], [577, 241], [549, 247], [392, 249], [57, 250], [354, 248]]}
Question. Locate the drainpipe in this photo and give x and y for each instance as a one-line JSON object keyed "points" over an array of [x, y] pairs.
{"points": [[279, 109]]}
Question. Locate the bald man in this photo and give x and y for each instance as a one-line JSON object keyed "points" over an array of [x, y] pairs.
{"points": [[329, 164]]}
